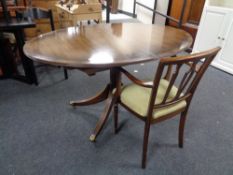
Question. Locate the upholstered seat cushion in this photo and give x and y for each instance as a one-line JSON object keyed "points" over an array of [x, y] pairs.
{"points": [[137, 99]]}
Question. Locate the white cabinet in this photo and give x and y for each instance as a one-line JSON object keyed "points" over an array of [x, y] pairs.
{"points": [[216, 29], [225, 60]]}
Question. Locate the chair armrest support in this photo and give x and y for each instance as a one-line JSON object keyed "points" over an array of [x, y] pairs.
{"points": [[136, 80]]}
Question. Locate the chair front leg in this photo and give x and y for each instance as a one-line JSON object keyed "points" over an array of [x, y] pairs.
{"points": [[145, 143], [181, 127]]}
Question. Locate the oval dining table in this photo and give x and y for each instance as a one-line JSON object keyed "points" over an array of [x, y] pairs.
{"points": [[106, 47]]}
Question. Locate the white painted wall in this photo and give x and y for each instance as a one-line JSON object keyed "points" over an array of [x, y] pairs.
{"points": [[144, 15]]}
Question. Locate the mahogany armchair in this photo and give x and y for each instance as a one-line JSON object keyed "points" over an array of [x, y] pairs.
{"points": [[169, 94]]}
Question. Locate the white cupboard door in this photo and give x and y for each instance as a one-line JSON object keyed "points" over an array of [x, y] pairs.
{"points": [[226, 57], [210, 31]]}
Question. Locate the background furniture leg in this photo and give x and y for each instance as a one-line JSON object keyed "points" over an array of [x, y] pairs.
{"points": [[65, 73], [27, 63], [115, 118]]}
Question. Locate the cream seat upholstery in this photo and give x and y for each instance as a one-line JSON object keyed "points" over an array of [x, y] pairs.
{"points": [[137, 98]]}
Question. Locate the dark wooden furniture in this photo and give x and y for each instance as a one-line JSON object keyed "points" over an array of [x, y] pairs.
{"points": [[191, 14], [36, 14], [8, 66], [106, 46], [169, 94], [9, 24], [17, 26], [13, 5], [43, 25]]}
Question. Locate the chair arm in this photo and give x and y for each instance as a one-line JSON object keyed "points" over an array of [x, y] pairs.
{"points": [[136, 80]]}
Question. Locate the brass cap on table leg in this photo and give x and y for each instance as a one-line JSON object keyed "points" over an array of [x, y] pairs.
{"points": [[92, 138]]}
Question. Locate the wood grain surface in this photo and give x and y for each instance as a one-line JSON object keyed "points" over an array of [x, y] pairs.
{"points": [[107, 45]]}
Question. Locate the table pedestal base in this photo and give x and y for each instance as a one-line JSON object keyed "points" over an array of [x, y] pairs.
{"points": [[108, 95]]}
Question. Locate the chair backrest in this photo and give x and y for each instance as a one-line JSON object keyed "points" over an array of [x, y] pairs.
{"points": [[37, 13], [185, 81]]}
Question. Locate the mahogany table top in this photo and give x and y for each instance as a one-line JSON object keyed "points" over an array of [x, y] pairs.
{"points": [[107, 45]]}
